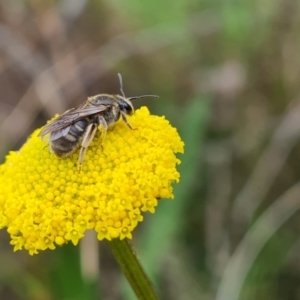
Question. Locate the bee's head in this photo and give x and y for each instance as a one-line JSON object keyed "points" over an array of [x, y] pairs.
{"points": [[125, 105]]}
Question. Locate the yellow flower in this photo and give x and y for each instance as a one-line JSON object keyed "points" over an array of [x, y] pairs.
{"points": [[45, 201]]}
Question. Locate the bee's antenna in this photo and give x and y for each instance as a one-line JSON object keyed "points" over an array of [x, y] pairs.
{"points": [[136, 97], [121, 84], [143, 96]]}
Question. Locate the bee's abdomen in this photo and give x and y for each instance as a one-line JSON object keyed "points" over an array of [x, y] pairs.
{"points": [[67, 144]]}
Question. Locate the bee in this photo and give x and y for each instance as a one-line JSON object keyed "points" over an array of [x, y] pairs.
{"points": [[77, 126]]}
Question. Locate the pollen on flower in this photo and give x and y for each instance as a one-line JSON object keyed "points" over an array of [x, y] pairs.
{"points": [[45, 202]]}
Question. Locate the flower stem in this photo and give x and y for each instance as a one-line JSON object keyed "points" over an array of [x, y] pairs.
{"points": [[128, 260]]}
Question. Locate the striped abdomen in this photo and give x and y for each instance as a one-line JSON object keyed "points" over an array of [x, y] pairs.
{"points": [[67, 144]]}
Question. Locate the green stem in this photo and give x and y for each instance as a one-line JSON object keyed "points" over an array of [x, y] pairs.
{"points": [[132, 269]]}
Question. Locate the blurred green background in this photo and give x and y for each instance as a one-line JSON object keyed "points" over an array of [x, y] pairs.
{"points": [[228, 75]]}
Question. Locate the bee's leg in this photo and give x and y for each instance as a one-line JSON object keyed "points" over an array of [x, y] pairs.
{"points": [[103, 124], [87, 139], [126, 121], [49, 148]]}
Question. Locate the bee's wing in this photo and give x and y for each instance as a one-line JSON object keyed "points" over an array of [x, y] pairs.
{"points": [[61, 125], [59, 133]]}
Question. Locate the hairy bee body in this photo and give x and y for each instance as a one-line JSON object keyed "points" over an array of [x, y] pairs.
{"points": [[77, 127], [67, 144]]}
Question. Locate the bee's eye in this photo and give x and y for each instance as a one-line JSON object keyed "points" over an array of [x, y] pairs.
{"points": [[125, 107]]}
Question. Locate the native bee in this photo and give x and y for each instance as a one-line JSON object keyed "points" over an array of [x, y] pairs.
{"points": [[77, 126]]}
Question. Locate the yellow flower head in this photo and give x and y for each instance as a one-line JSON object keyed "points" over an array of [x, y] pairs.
{"points": [[45, 201]]}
